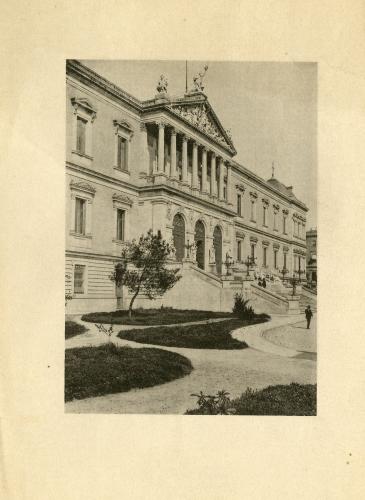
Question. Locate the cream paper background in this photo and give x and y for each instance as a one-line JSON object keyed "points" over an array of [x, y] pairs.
{"points": [[47, 455]]}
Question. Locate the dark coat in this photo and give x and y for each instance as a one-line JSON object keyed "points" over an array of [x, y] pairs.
{"points": [[308, 313]]}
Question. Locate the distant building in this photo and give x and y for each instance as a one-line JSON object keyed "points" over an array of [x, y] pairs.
{"points": [[311, 237], [165, 164]]}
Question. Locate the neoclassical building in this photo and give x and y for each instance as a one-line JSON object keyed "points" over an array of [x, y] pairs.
{"points": [[165, 164]]}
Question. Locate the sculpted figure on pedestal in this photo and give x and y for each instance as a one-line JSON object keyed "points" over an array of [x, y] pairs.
{"points": [[212, 254], [198, 80], [162, 85]]}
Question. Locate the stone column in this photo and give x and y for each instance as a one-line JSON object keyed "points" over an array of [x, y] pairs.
{"points": [[213, 175], [221, 179], [173, 154], [195, 180], [229, 184], [185, 160], [161, 147], [204, 171], [144, 149]]}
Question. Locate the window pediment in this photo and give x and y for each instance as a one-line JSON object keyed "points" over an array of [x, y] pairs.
{"points": [[122, 199], [82, 186], [85, 105], [124, 127]]}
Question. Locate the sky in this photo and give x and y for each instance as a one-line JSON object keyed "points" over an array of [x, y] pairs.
{"points": [[270, 109]]}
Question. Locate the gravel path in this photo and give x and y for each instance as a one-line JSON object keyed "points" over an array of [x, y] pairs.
{"points": [[232, 370]]}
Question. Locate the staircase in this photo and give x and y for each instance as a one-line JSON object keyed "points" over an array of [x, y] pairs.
{"points": [[304, 301]]}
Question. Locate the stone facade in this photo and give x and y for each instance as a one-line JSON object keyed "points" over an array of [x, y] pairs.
{"points": [[312, 256], [166, 165]]}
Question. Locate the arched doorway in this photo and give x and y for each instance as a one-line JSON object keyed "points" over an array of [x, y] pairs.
{"points": [[199, 238], [217, 241], [178, 234]]}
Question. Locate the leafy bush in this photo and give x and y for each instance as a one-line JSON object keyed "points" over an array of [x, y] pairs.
{"points": [[149, 317], [72, 328], [108, 369], [241, 309], [293, 399], [202, 336]]}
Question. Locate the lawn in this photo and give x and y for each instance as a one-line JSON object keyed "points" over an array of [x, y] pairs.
{"points": [[202, 336], [72, 329], [108, 369], [293, 399], [161, 316]]}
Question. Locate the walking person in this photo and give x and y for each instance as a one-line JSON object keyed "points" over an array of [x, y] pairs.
{"points": [[308, 314]]}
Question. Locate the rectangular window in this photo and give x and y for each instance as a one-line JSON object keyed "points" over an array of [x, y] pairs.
{"points": [[225, 191], [81, 135], [275, 259], [264, 221], [239, 250], [252, 251], [275, 221], [285, 260], [79, 278], [80, 216], [239, 204], [284, 225], [253, 211], [120, 224], [122, 153], [264, 256]]}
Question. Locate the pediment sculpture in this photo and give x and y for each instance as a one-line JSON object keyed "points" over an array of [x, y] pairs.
{"points": [[198, 116]]}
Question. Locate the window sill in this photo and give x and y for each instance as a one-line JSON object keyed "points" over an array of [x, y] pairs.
{"points": [[81, 236], [83, 155], [118, 242], [121, 170], [252, 220]]}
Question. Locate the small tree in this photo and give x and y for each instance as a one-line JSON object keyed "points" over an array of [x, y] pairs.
{"points": [[142, 268]]}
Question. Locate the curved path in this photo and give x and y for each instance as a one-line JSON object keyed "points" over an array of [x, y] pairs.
{"points": [[232, 370]]}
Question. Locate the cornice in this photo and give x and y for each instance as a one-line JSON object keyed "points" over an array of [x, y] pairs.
{"points": [[156, 190], [90, 255], [98, 175], [250, 229]]}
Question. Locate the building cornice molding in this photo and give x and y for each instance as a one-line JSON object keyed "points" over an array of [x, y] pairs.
{"points": [[94, 174], [250, 229], [156, 190]]}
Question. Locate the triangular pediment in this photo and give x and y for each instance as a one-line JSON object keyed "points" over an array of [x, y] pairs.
{"points": [[202, 116]]}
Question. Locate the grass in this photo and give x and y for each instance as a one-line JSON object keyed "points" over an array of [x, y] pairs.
{"points": [[108, 369], [203, 336], [293, 399], [72, 329], [162, 316]]}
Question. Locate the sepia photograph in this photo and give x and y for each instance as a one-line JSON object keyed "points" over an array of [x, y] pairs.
{"points": [[191, 237]]}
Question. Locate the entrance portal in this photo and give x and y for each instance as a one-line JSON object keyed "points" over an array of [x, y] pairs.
{"points": [[178, 234], [200, 243], [217, 241]]}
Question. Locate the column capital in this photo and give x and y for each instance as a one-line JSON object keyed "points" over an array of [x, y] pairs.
{"points": [[143, 127], [204, 149], [213, 154], [185, 138], [161, 124], [173, 131]]}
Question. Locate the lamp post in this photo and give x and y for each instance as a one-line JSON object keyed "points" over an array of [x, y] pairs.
{"points": [[294, 281], [284, 271], [249, 263], [228, 263], [300, 272]]}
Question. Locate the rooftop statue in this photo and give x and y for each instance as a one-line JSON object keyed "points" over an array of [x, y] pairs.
{"points": [[162, 85], [198, 80]]}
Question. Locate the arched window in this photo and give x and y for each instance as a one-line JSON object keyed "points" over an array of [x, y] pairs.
{"points": [[178, 233], [217, 239], [200, 243]]}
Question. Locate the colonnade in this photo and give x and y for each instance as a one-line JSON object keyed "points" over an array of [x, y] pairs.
{"points": [[217, 165]]}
